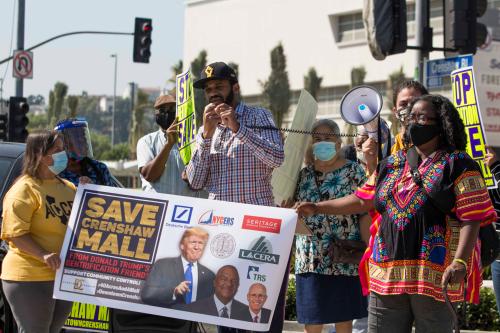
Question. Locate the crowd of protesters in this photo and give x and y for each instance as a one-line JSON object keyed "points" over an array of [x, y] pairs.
{"points": [[416, 212]]}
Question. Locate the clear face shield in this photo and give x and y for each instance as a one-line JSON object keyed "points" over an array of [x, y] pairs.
{"points": [[76, 136]]}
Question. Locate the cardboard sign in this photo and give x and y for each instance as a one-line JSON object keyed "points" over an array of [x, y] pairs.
{"points": [[186, 115], [465, 100], [175, 256]]}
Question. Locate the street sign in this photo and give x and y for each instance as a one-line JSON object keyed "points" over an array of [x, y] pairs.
{"points": [[436, 70], [22, 64]]}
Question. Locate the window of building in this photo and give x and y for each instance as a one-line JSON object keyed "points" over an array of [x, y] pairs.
{"points": [[350, 28], [493, 4], [436, 17]]}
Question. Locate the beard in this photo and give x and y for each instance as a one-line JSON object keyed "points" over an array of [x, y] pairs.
{"points": [[218, 99]]}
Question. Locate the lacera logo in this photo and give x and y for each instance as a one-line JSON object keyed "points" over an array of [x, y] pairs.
{"points": [[260, 251], [260, 223], [78, 284], [208, 218]]}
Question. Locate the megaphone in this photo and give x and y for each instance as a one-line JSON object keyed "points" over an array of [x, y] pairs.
{"points": [[361, 106]]}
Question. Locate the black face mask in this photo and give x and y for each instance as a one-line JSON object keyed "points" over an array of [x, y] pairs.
{"points": [[165, 119], [421, 134]]}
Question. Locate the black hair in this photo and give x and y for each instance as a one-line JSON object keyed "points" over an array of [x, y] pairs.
{"points": [[452, 131], [407, 84]]}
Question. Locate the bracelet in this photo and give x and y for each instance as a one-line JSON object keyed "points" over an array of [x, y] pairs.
{"points": [[460, 261]]}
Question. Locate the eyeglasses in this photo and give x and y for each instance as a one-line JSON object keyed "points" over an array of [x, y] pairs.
{"points": [[419, 118]]}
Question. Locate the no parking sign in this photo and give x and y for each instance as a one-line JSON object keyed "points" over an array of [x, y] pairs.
{"points": [[22, 64]]}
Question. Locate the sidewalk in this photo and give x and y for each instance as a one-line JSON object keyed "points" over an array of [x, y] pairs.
{"points": [[293, 326]]}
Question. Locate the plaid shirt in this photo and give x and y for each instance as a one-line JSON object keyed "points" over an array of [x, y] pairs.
{"points": [[237, 166]]}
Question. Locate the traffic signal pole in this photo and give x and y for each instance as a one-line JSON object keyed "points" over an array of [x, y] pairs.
{"points": [[20, 41], [423, 36]]}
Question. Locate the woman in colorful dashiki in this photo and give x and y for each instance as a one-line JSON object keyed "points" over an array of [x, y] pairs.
{"points": [[327, 292], [415, 248]]}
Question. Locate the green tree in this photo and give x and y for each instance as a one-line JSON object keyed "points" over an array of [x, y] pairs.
{"points": [[118, 152], [358, 75], [197, 66], [312, 82], [100, 144], [138, 121], [50, 107], [276, 89], [37, 122], [176, 69], [392, 81], [72, 106], [60, 91]]}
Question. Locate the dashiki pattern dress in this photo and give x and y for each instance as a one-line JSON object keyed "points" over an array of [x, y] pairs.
{"points": [[412, 240]]}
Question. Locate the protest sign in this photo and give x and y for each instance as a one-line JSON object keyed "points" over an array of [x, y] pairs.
{"points": [[87, 318], [130, 250], [284, 179], [465, 100], [487, 69], [185, 115]]}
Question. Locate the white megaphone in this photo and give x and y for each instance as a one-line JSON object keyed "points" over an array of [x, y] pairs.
{"points": [[361, 106]]}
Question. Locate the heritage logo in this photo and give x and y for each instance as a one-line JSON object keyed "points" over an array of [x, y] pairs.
{"points": [[260, 251], [208, 218], [260, 223]]}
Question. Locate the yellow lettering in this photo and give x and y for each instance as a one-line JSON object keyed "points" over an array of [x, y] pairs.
{"points": [[90, 311], [124, 251], [148, 232], [140, 254], [75, 309], [86, 222], [130, 216], [110, 244], [95, 207], [103, 313], [85, 240], [114, 211], [149, 215]]}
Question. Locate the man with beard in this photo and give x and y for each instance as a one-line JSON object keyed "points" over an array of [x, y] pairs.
{"points": [[237, 149], [158, 158]]}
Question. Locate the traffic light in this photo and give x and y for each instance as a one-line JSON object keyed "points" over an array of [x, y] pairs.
{"points": [[142, 39], [18, 108], [385, 24], [462, 32], [3, 127]]}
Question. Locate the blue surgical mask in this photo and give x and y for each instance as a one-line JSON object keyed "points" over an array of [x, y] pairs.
{"points": [[324, 150], [60, 162]]}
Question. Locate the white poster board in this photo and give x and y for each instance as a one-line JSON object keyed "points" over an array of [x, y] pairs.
{"points": [[122, 244]]}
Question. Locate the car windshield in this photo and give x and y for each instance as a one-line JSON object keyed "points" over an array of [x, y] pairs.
{"points": [[5, 165]]}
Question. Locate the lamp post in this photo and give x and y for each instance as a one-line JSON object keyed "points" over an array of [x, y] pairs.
{"points": [[114, 103]]}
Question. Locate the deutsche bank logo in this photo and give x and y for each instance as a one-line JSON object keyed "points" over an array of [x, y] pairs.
{"points": [[182, 214]]}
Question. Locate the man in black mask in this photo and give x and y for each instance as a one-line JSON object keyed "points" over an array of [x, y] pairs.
{"points": [[158, 159]]}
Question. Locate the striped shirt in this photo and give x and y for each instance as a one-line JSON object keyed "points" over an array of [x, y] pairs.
{"points": [[237, 167]]}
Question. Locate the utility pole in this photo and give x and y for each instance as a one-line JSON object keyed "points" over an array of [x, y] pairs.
{"points": [[114, 103], [20, 41]]}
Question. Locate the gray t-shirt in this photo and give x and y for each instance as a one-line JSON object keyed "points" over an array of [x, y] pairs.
{"points": [[148, 147]]}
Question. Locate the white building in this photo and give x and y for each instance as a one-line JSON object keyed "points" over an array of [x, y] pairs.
{"points": [[325, 34]]}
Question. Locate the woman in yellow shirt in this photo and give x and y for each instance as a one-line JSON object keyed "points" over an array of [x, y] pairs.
{"points": [[36, 210]]}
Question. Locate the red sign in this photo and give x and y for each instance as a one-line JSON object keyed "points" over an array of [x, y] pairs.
{"points": [[260, 223], [22, 64]]}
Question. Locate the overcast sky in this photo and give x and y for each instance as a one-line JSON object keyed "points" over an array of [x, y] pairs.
{"points": [[83, 62]]}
